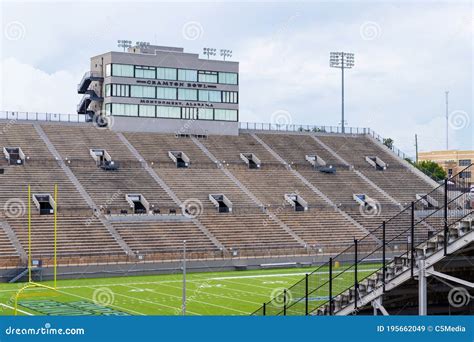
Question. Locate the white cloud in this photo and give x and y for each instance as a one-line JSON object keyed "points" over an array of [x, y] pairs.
{"points": [[25, 88]]}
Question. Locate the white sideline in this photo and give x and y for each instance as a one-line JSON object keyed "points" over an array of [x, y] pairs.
{"points": [[19, 310]]}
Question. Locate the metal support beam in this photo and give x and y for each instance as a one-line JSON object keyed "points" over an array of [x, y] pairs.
{"points": [[377, 305], [434, 273], [422, 289]]}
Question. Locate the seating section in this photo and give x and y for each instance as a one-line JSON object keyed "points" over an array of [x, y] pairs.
{"points": [[293, 148], [164, 237], [227, 149], [190, 184], [252, 232], [75, 142], [108, 188], [397, 180], [322, 228], [41, 178], [246, 231], [342, 185], [77, 237], [24, 136], [270, 186], [154, 148]]}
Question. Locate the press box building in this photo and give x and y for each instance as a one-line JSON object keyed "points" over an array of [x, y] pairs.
{"points": [[162, 89]]}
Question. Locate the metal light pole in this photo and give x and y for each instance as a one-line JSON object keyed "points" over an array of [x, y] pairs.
{"points": [[184, 279], [209, 52], [341, 60], [124, 44], [447, 120], [226, 53]]}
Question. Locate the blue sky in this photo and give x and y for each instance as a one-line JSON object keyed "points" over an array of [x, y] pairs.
{"points": [[407, 54]]}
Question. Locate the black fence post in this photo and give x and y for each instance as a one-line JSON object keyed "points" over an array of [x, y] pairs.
{"points": [[330, 286], [445, 243], [383, 255], [264, 309], [284, 302], [356, 281], [412, 261], [306, 304]]}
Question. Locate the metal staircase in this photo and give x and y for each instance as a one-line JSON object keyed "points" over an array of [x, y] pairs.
{"points": [[407, 249]]}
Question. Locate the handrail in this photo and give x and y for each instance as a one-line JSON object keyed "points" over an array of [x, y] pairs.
{"points": [[260, 126], [449, 200], [38, 116]]}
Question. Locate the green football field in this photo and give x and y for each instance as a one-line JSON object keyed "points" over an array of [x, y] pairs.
{"points": [[218, 293]]}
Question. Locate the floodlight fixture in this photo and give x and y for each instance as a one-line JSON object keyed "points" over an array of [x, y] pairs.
{"points": [[209, 52]]}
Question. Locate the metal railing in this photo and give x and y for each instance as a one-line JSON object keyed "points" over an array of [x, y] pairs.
{"points": [[399, 236], [260, 126], [36, 116]]}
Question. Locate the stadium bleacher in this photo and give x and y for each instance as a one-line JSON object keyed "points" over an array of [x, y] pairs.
{"points": [[332, 220]]}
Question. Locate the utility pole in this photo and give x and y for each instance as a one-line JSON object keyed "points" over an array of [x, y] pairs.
{"points": [[447, 120], [416, 148], [184, 279]]}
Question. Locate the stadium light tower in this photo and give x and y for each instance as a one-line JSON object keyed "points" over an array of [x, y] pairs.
{"points": [[226, 53], [124, 44], [209, 52], [341, 60]]}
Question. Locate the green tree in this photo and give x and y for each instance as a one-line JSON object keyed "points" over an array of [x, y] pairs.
{"points": [[431, 168], [388, 142]]}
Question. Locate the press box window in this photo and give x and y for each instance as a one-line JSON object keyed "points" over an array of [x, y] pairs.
{"points": [[147, 111], [122, 70], [189, 113], [187, 75], [464, 162], [210, 95], [227, 78], [207, 76], [225, 114], [108, 69], [166, 73], [143, 91], [229, 97], [205, 114], [145, 72], [120, 90], [168, 112], [166, 93], [124, 109], [187, 94]]}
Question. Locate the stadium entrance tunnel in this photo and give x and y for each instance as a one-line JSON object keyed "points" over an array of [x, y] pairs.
{"points": [[14, 155], [44, 203], [103, 160], [179, 158], [319, 164], [251, 160], [138, 203], [297, 202], [376, 162], [221, 202]]}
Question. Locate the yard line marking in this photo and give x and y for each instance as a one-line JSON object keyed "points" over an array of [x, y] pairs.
{"points": [[19, 310], [200, 289], [194, 300]]}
